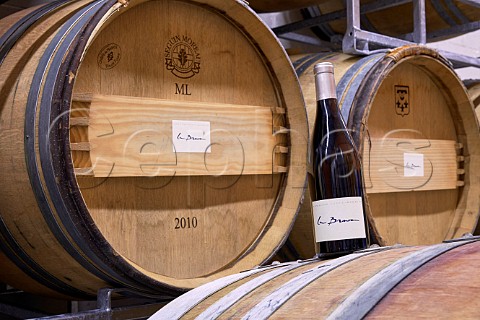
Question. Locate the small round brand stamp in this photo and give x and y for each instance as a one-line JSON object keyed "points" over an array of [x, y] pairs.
{"points": [[109, 56]]}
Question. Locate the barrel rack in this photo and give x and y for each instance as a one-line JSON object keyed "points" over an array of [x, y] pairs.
{"points": [[358, 41], [15, 304]]}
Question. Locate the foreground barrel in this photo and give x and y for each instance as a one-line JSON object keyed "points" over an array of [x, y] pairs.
{"points": [[432, 282], [443, 18], [145, 153], [400, 105]]}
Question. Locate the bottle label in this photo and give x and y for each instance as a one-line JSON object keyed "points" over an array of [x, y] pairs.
{"points": [[191, 136], [338, 219]]}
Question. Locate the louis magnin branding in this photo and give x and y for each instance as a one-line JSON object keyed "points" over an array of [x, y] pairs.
{"points": [[109, 56], [402, 100], [182, 56]]}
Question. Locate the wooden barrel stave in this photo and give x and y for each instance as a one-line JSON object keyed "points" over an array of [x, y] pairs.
{"points": [[351, 287], [68, 217]]}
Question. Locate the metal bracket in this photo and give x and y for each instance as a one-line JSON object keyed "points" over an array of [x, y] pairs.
{"points": [[358, 41]]}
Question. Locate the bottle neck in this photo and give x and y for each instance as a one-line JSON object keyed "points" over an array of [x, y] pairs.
{"points": [[325, 86]]}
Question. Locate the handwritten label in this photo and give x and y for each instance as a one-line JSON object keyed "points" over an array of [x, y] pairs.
{"points": [[413, 165], [191, 136], [338, 219]]}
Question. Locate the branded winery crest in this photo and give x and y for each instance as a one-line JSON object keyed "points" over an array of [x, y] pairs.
{"points": [[402, 100], [182, 57]]}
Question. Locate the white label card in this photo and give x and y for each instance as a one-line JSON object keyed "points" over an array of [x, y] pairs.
{"points": [[338, 219], [191, 136], [413, 165]]}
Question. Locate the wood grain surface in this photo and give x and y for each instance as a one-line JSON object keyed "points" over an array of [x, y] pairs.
{"points": [[436, 281], [207, 60]]}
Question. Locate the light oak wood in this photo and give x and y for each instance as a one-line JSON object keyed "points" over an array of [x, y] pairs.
{"points": [[387, 171], [415, 282], [161, 234], [131, 136]]}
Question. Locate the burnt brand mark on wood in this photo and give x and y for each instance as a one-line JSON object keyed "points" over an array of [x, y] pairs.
{"points": [[402, 100], [182, 57], [109, 56]]}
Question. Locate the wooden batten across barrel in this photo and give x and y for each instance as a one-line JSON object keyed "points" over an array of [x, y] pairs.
{"points": [[148, 145], [431, 282], [113, 120], [415, 128]]}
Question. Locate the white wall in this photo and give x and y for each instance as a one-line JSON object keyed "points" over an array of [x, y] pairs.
{"points": [[467, 44]]}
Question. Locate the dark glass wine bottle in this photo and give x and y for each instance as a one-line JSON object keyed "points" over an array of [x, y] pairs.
{"points": [[335, 178]]}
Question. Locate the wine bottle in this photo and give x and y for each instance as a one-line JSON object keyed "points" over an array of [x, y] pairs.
{"points": [[335, 178]]}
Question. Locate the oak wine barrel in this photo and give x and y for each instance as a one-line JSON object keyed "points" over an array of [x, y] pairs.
{"points": [[419, 282], [435, 122], [147, 145]]}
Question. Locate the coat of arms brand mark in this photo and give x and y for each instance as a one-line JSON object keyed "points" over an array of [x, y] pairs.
{"points": [[402, 100], [182, 57]]}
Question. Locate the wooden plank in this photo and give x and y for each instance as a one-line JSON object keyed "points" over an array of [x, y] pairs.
{"points": [[387, 165], [133, 137]]}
